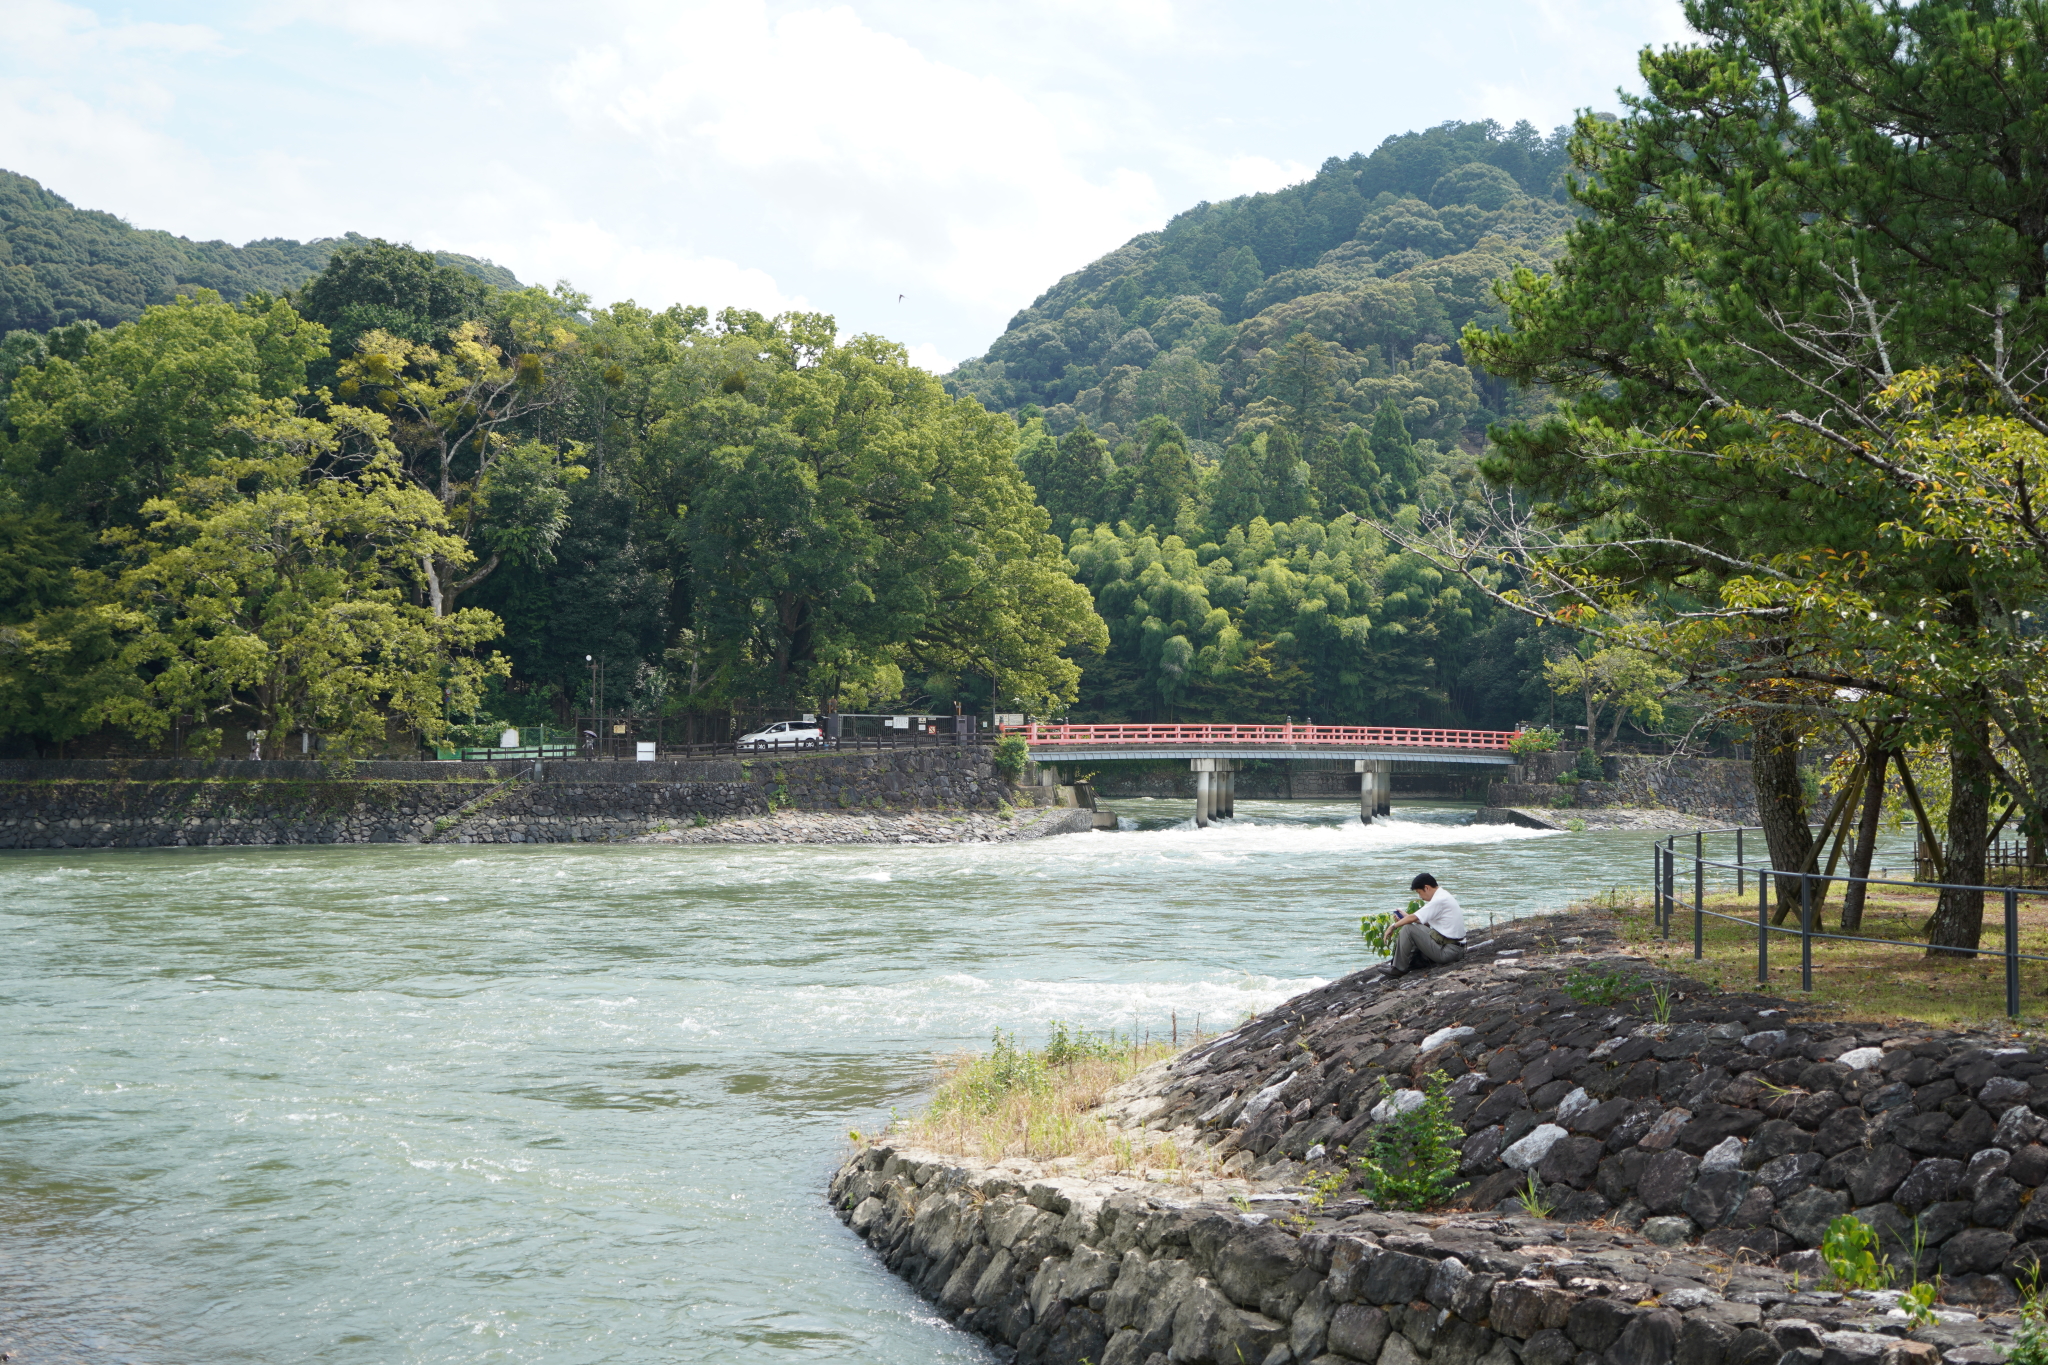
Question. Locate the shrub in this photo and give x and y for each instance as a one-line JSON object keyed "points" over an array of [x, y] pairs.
{"points": [[1534, 742], [1588, 768], [1413, 1160], [1850, 1249], [1012, 752]]}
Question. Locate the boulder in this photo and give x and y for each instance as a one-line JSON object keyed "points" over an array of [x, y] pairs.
{"points": [[1975, 1251], [1528, 1151], [1522, 1308], [1868, 1174], [1665, 1179], [1929, 1182], [1806, 1215], [1358, 1331]]}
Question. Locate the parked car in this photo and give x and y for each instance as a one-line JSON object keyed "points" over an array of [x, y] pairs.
{"points": [[784, 734]]}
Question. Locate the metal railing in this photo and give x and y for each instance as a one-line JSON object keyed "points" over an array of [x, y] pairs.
{"points": [[886, 741], [1393, 737], [1666, 904]]}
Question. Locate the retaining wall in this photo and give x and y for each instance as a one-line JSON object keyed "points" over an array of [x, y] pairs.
{"points": [[180, 802]]}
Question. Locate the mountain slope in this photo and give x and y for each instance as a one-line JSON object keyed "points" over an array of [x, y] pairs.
{"points": [[60, 264], [1382, 257]]}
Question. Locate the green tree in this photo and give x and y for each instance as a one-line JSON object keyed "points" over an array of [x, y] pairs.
{"points": [[1395, 453], [847, 515], [1289, 488], [1075, 478], [1166, 476], [1810, 204], [457, 410], [379, 286], [273, 594], [110, 419]]}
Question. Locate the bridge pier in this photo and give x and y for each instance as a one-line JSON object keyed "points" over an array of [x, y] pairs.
{"points": [[1375, 787], [1215, 789]]}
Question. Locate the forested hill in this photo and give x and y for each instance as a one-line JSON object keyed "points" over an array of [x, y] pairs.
{"points": [[1384, 258], [60, 264]]}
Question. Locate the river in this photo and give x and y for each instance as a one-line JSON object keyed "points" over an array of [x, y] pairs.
{"points": [[577, 1103]]}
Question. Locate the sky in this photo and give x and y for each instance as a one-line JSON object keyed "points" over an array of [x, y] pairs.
{"points": [[917, 169]]}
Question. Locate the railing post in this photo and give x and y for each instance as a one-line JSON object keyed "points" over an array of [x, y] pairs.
{"points": [[1670, 886], [2012, 952], [1738, 860], [1806, 932], [1656, 879], [1699, 906], [1763, 930]]}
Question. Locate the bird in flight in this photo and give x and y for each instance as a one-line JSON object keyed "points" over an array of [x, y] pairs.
{"points": [[899, 298]]}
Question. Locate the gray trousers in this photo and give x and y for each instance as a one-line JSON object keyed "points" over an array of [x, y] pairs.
{"points": [[1419, 940]]}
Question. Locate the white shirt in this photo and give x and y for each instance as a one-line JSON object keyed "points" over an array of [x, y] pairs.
{"points": [[1443, 914]]}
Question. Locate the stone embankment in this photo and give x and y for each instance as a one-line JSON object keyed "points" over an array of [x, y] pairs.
{"points": [[924, 827], [1636, 791], [1597, 818], [179, 803], [1692, 1166]]}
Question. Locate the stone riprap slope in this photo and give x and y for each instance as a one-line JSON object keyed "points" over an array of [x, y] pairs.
{"points": [[1731, 1134], [1062, 1269]]}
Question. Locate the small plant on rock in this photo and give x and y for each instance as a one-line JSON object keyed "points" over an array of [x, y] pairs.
{"points": [[1850, 1249], [1596, 985], [1532, 1201], [1413, 1160], [2030, 1342]]}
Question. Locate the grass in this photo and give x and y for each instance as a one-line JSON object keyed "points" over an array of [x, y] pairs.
{"points": [[1873, 981], [1016, 1102]]}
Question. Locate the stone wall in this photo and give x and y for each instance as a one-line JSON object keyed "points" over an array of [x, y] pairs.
{"points": [[179, 802], [1064, 1270], [1733, 1134], [1712, 788]]}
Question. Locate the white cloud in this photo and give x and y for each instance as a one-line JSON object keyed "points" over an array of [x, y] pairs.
{"points": [[914, 171], [926, 356], [610, 269]]}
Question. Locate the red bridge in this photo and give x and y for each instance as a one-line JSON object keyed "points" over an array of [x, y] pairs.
{"points": [[1212, 752]]}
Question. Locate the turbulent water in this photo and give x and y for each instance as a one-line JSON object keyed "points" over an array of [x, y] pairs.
{"points": [[578, 1103]]}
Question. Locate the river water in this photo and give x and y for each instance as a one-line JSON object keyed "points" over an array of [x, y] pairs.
{"points": [[578, 1103]]}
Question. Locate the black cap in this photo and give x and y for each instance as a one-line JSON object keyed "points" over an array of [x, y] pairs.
{"points": [[1422, 879]]}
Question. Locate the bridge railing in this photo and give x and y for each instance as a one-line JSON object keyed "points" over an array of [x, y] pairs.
{"points": [[1395, 737]]}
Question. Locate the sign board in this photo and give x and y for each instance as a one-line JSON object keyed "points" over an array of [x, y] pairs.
{"points": [[810, 718], [643, 751], [1009, 718], [899, 722]]}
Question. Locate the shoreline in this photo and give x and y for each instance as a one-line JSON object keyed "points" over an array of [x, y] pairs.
{"points": [[889, 827], [1577, 819], [1692, 1150]]}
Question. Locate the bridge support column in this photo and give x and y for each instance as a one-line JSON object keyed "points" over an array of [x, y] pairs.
{"points": [[1375, 787], [1213, 789]]}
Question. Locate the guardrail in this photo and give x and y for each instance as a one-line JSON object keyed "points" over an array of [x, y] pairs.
{"points": [[1664, 868], [1393, 737]]}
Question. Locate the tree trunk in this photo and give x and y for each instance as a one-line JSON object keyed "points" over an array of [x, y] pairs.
{"points": [[1959, 915], [1865, 848], [1781, 801]]}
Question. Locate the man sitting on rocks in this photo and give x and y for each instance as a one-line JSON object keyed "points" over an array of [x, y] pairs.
{"points": [[1435, 934]]}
